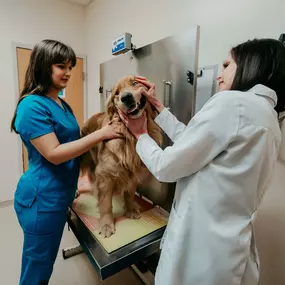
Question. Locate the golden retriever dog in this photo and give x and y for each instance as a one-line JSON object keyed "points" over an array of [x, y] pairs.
{"points": [[113, 166]]}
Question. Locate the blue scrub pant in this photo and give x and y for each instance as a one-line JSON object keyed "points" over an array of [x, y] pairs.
{"points": [[42, 236]]}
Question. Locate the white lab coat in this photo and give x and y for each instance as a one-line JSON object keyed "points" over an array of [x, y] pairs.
{"points": [[223, 162]]}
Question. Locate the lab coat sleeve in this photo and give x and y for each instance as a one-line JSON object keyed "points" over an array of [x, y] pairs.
{"points": [[207, 135], [170, 125]]}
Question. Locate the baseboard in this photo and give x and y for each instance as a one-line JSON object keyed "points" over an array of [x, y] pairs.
{"points": [[7, 203]]}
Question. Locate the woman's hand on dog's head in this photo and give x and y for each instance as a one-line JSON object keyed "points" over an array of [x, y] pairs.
{"points": [[137, 126], [112, 130]]}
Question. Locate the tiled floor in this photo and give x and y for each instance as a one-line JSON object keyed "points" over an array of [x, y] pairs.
{"points": [[74, 271]]}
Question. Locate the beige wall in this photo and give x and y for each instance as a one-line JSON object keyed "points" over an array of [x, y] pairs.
{"points": [[223, 24], [27, 22]]}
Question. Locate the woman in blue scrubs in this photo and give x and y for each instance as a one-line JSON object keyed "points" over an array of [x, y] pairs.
{"points": [[50, 132]]}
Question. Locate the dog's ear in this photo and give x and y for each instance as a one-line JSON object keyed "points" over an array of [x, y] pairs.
{"points": [[154, 111], [110, 107], [151, 111]]}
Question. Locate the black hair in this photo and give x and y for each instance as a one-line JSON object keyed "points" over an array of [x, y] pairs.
{"points": [[261, 61], [38, 77]]}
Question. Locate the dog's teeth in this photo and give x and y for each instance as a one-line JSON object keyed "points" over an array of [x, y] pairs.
{"points": [[133, 109]]}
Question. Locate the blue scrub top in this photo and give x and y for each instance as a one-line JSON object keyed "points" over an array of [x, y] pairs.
{"points": [[53, 186]]}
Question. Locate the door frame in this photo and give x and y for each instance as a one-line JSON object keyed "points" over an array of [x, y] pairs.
{"points": [[16, 45]]}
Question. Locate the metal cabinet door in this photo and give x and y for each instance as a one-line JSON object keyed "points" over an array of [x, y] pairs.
{"points": [[172, 64]]}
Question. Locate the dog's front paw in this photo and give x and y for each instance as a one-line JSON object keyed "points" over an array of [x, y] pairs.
{"points": [[107, 230], [134, 214], [107, 227]]}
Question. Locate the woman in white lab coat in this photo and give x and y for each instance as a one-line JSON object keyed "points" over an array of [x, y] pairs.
{"points": [[223, 162]]}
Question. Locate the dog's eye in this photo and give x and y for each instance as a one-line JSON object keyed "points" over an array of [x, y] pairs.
{"points": [[135, 83], [117, 93]]}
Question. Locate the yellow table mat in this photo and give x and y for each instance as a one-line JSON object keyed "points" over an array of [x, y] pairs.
{"points": [[127, 230]]}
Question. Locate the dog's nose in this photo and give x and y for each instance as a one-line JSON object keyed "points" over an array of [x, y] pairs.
{"points": [[128, 98]]}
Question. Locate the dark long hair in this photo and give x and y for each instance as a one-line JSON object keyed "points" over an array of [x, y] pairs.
{"points": [[261, 61], [38, 77]]}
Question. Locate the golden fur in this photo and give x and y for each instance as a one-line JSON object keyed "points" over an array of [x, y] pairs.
{"points": [[113, 165]]}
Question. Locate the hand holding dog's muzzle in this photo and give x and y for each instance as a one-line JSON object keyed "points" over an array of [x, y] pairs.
{"points": [[137, 126]]}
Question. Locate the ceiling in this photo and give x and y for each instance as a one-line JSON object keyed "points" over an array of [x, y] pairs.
{"points": [[80, 2]]}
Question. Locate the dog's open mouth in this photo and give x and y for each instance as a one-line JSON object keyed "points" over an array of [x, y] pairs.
{"points": [[133, 111]]}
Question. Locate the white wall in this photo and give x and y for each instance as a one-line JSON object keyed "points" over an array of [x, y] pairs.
{"points": [[223, 24], [28, 22]]}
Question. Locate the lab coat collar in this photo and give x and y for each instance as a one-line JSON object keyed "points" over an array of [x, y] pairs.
{"points": [[266, 92]]}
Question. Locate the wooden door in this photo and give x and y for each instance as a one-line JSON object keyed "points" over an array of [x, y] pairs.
{"points": [[74, 93]]}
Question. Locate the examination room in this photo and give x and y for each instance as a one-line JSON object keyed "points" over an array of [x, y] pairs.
{"points": [[143, 142]]}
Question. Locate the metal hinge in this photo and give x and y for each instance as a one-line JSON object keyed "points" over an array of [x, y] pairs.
{"points": [[83, 76]]}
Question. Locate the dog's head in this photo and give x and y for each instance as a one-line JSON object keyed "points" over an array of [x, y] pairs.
{"points": [[127, 97]]}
